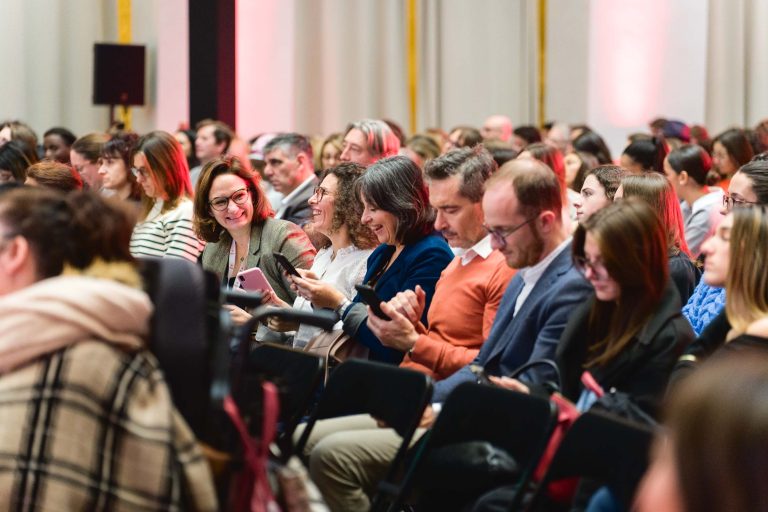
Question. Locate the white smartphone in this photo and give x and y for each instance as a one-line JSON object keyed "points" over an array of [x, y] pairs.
{"points": [[253, 279]]}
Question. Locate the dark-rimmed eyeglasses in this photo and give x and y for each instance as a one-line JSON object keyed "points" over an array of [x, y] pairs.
{"points": [[320, 192], [597, 267], [729, 202], [222, 203], [501, 234]]}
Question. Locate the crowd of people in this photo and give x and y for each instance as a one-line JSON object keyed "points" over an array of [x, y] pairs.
{"points": [[487, 247]]}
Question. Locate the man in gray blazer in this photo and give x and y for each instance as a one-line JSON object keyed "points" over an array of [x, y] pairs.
{"points": [[291, 171]]}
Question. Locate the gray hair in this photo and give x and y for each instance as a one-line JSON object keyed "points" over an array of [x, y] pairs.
{"points": [[382, 141], [291, 144]]}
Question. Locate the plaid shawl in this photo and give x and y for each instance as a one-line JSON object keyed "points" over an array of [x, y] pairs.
{"points": [[91, 426]]}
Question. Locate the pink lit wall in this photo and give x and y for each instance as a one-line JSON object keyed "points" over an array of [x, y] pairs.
{"points": [[264, 65], [172, 63]]}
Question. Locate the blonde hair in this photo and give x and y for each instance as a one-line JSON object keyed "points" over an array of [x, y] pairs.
{"points": [[747, 282]]}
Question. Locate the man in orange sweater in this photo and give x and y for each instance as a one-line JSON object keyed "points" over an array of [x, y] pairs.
{"points": [[348, 456], [472, 284]]}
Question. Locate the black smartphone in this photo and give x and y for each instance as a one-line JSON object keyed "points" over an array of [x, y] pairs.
{"points": [[368, 296], [479, 373], [283, 262]]}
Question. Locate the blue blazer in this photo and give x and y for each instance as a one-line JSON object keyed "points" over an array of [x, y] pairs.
{"points": [[420, 263], [531, 334]]}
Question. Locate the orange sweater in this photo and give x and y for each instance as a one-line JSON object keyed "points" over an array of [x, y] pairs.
{"points": [[460, 317]]}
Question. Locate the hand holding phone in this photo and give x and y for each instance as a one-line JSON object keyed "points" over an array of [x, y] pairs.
{"points": [[254, 279], [286, 264], [369, 296]]}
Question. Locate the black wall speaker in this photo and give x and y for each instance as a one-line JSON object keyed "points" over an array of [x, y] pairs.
{"points": [[118, 74]]}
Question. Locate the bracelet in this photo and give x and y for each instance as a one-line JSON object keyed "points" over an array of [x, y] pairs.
{"points": [[343, 307]]}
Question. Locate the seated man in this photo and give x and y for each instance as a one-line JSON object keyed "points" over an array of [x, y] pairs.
{"points": [[522, 206]]}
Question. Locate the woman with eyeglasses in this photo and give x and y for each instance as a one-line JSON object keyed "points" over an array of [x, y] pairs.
{"points": [[341, 261], [629, 334], [165, 223], [234, 216], [749, 186], [396, 209]]}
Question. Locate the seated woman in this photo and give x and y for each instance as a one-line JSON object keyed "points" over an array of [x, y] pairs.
{"points": [[656, 190], [13, 162], [341, 263], [743, 323], [712, 455], [115, 167], [687, 168], [77, 385], [748, 186], [598, 190], [577, 165], [630, 333], [396, 208], [234, 217], [165, 224]]}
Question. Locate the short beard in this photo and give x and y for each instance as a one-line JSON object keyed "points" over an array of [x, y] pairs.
{"points": [[530, 255]]}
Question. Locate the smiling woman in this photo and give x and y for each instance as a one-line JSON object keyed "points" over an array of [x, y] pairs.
{"points": [[235, 218], [165, 226]]}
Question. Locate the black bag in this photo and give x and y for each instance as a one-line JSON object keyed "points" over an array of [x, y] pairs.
{"points": [[620, 404], [470, 467]]}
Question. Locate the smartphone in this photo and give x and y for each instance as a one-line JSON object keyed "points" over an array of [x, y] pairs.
{"points": [[369, 296], [479, 373], [283, 262], [253, 279]]}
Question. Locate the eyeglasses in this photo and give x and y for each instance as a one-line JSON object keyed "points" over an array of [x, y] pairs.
{"points": [[320, 192], [140, 171], [501, 234], [222, 203], [729, 202], [597, 267]]}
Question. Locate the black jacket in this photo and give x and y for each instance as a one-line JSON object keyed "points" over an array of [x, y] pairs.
{"points": [[643, 368]]}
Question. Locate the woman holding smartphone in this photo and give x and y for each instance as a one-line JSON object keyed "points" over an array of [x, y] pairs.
{"points": [[341, 262], [235, 218], [396, 209]]}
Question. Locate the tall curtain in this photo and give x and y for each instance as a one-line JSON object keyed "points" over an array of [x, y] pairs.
{"points": [[737, 64]]}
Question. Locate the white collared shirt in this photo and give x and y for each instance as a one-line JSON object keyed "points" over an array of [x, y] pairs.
{"points": [[287, 199], [531, 275], [482, 248]]}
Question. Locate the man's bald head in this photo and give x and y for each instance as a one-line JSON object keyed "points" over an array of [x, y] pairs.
{"points": [[497, 127]]}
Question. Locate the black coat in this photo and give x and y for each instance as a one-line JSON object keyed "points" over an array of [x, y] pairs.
{"points": [[642, 369]]}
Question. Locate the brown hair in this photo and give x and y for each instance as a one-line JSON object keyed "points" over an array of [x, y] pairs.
{"points": [[55, 175], [719, 425], [90, 145], [550, 156], [167, 168], [24, 133], [347, 208], [61, 230], [205, 224], [633, 246], [657, 191], [122, 146], [536, 187]]}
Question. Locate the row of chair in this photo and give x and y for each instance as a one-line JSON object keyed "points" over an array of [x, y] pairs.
{"points": [[192, 341]]}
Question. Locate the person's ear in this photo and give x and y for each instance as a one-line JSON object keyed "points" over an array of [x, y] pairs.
{"points": [[15, 255], [547, 221], [683, 178]]}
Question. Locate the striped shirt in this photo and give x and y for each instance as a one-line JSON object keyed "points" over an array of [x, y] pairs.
{"points": [[168, 234]]}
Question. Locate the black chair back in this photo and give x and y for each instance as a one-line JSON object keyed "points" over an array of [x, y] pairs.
{"points": [[394, 395], [518, 423], [296, 374], [603, 447], [182, 329]]}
